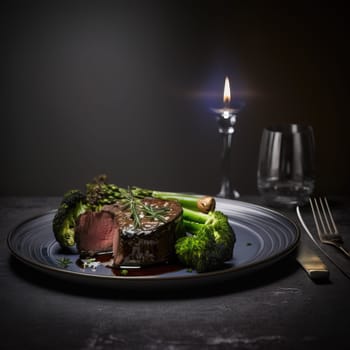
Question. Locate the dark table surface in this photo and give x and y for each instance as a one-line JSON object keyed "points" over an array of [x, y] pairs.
{"points": [[278, 307]]}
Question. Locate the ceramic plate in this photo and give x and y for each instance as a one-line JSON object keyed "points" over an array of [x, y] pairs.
{"points": [[263, 237]]}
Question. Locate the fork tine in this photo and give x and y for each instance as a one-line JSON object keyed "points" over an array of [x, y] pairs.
{"points": [[325, 215], [335, 230], [315, 219], [319, 213]]}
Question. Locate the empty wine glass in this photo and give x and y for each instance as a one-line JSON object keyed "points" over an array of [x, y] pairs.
{"points": [[286, 167]]}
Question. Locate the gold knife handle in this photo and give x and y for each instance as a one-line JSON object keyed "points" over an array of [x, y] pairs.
{"points": [[312, 264]]}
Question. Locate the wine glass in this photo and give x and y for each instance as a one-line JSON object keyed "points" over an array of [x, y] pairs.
{"points": [[286, 166]]}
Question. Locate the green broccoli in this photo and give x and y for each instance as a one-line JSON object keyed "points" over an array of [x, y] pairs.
{"points": [[210, 242], [72, 205]]}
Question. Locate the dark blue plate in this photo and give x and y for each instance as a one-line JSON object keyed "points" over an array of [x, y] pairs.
{"points": [[263, 237]]}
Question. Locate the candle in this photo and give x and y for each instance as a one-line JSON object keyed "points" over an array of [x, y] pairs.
{"points": [[227, 93], [227, 112], [226, 119]]}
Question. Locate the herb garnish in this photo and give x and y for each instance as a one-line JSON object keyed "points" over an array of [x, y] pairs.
{"points": [[138, 208], [64, 262], [155, 213]]}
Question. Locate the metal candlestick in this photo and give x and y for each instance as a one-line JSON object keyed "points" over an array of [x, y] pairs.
{"points": [[226, 120]]}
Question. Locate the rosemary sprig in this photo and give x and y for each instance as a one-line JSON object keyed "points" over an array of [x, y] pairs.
{"points": [[134, 213], [138, 208], [155, 213], [132, 203]]}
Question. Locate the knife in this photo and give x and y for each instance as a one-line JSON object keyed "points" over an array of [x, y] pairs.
{"points": [[310, 261]]}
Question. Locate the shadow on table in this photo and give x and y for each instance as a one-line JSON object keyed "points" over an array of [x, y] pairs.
{"points": [[178, 290]]}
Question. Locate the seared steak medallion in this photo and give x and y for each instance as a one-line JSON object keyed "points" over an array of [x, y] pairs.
{"points": [[148, 239]]}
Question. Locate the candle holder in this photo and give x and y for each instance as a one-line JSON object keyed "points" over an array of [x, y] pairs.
{"points": [[226, 119]]}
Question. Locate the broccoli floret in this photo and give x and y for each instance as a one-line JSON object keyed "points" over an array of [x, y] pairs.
{"points": [[198, 252], [210, 242], [72, 205]]}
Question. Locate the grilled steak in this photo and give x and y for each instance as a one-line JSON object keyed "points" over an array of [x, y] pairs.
{"points": [[148, 239]]}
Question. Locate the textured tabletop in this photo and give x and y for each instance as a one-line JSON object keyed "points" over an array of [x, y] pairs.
{"points": [[275, 308]]}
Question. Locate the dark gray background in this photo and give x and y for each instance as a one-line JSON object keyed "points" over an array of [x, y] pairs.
{"points": [[125, 88]]}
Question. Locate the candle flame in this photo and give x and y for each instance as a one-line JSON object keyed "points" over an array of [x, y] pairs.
{"points": [[227, 92]]}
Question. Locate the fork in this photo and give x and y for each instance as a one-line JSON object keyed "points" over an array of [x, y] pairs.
{"points": [[325, 225]]}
